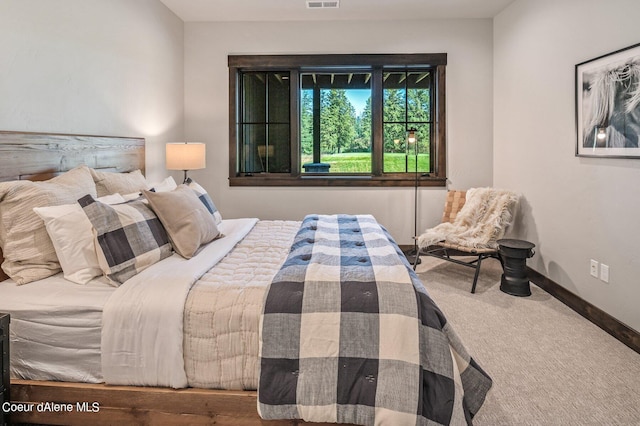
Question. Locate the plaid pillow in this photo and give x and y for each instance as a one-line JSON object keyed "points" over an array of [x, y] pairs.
{"points": [[206, 200], [129, 237]]}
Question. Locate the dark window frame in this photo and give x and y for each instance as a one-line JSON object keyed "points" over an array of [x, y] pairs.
{"points": [[295, 64]]}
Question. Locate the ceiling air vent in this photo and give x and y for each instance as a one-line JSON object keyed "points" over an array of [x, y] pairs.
{"points": [[323, 4]]}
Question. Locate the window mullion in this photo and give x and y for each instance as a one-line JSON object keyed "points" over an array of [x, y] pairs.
{"points": [[432, 126], [294, 121], [316, 124], [440, 123], [265, 167], [377, 150], [234, 108]]}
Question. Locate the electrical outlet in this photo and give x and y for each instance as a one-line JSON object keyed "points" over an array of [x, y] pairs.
{"points": [[594, 268], [604, 272]]}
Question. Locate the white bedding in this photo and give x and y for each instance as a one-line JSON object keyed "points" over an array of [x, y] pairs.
{"points": [[222, 313], [143, 320], [47, 318], [125, 331]]}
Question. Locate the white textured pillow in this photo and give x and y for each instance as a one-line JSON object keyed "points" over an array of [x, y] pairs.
{"points": [[72, 237], [28, 251], [168, 184], [122, 183], [165, 186]]}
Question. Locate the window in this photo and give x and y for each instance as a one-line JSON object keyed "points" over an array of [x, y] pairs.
{"points": [[264, 123], [407, 106], [337, 120]]}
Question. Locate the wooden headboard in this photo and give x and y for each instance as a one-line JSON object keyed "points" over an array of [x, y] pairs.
{"points": [[41, 156]]}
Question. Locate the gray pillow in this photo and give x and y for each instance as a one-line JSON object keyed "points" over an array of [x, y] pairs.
{"points": [[108, 183], [186, 219]]}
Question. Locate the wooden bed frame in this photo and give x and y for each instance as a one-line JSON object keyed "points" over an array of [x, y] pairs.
{"points": [[139, 405], [40, 156]]}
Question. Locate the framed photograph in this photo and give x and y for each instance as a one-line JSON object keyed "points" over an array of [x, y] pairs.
{"points": [[608, 105]]}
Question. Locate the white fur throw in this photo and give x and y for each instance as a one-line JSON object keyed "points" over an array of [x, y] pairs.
{"points": [[479, 224]]}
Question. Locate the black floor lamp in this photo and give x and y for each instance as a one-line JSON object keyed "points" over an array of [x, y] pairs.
{"points": [[412, 253]]}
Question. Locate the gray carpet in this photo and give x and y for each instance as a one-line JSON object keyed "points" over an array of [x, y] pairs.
{"points": [[549, 365]]}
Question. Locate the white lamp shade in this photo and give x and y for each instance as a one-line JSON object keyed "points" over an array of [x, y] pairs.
{"points": [[186, 156]]}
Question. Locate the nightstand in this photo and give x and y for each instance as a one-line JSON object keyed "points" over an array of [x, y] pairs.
{"points": [[514, 255], [4, 365]]}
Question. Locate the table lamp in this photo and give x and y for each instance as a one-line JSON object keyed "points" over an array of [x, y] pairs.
{"points": [[186, 156]]}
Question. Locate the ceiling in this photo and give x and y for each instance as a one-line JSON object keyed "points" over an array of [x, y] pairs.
{"points": [[296, 10]]}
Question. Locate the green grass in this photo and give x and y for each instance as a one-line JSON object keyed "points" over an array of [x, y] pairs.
{"points": [[360, 162]]}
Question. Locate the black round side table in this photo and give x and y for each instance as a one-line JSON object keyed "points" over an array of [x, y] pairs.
{"points": [[514, 255]]}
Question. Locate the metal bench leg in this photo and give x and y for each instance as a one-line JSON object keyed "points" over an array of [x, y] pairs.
{"points": [[417, 258], [475, 278]]}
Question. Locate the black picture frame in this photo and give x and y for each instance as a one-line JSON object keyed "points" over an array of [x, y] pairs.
{"points": [[608, 105]]}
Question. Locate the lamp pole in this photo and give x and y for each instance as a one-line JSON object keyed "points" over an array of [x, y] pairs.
{"points": [[412, 254]]}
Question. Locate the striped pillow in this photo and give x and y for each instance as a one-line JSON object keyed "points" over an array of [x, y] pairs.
{"points": [[28, 251], [206, 200], [129, 237]]}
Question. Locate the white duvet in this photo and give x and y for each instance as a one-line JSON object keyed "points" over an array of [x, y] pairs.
{"points": [[222, 313]]}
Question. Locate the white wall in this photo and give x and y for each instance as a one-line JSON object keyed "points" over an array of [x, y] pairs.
{"points": [[576, 209], [101, 67], [116, 67], [468, 44]]}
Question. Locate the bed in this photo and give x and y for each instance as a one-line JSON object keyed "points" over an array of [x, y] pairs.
{"points": [[230, 280]]}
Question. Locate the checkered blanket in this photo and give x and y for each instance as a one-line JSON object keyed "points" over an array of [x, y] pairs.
{"points": [[349, 335]]}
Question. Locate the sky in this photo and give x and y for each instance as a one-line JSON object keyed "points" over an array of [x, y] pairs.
{"points": [[358, 99]]}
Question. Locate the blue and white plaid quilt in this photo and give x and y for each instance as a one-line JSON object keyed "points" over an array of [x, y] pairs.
{"points": [[349, 335]]}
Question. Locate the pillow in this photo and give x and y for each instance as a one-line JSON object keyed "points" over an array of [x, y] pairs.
{"points": [[187, 221], [28, 251], [72, 237], [206, 200], [122, 183], [128, 237], [133, 196], [166, 185]]}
